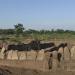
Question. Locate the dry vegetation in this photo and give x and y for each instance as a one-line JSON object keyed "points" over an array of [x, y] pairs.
{"points": [[20, 71], [10, 36]]}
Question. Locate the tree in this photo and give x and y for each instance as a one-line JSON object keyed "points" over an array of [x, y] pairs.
{"points": [[19, 29]]}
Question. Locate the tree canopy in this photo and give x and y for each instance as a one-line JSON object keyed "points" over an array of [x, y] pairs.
{"points": [[19, 29]]}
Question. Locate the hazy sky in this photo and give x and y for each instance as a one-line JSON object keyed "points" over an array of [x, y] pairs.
{"points": [[38, 14]]}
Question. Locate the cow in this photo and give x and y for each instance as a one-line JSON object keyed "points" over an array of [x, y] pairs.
{"points": [[1, 45], [19, 47], [63, 45], [33, 45], [46, 45]]}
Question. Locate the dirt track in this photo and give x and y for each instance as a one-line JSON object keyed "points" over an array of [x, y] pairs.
{"points": [[21, 71]]}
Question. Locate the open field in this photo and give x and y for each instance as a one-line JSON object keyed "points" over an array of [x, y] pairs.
{"points": [[37, 37], [45, 37], [20, 71]]}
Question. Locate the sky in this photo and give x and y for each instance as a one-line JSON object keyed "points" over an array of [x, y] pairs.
{"points": [[38, 14]]}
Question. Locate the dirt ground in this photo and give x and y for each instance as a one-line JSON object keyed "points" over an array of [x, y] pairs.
{"points": [[4, 70]]}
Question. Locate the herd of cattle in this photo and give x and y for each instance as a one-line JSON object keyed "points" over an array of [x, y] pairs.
{"points": [[33, 45], [36, 50]]}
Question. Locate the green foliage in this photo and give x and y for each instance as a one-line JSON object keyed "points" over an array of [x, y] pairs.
{"points": [[19, 29], [9, 34], [7, 31]]}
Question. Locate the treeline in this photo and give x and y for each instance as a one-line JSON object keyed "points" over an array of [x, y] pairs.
{"points": [[7, 31], [30, 31], [20, 30], [19, 33]]}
